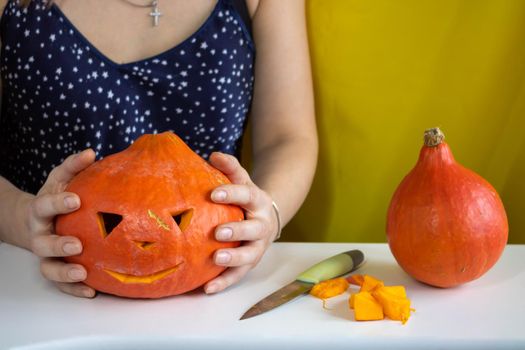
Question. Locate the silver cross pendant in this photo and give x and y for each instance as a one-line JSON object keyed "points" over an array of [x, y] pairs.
{"points": [[155, 13]]}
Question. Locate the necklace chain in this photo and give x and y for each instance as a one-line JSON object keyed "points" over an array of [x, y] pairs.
{"points": [[155, 12]]}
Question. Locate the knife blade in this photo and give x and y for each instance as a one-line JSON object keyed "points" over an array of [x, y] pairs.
{"points": [[332, 267]]}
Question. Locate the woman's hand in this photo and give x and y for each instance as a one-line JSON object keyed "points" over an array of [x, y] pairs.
{"points": [[257, 231], [41, 210]]}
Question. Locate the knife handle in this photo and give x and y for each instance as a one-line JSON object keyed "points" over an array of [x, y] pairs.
{"points": [[335, 266]]}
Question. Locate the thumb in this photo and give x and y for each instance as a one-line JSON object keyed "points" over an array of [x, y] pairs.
{"points": [[230, 166], [61, 175]]}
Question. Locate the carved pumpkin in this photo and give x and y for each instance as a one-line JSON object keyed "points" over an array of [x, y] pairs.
{"points": [[146, 221], [446, 225]]}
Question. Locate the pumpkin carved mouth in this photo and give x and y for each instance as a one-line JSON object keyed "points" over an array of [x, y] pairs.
{"points": [[146, 279]]}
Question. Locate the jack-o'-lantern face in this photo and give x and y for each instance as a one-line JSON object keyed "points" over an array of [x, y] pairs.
{"points": [[146, 221]]}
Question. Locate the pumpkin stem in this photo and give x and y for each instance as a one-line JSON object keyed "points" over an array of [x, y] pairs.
{"points": [[433, 137]]}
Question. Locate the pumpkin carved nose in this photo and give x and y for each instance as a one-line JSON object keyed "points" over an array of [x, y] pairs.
{"points": [[144, 244]]}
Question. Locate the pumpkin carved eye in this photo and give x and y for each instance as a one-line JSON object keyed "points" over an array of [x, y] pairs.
{"points": [[183, 219], [107, 222]]}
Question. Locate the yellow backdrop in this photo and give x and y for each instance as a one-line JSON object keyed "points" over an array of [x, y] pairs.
{"points": [[384, 71]]}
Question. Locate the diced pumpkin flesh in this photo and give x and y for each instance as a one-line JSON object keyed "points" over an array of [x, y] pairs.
{"points": [[392, 299], [395, 304], [366, 307], [374, 301], [351, 300], [398, 291], [329, 288], [370, 283], [355, 279]]}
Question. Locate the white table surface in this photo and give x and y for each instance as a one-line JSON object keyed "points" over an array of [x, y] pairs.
{"points": [[488, 313]]}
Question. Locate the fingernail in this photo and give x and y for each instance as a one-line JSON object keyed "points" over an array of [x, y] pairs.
{"points": [[223, 258], [224, 233], [71, 248], [212, 288], [71, 202], [219, 195], [76, 274], [88, 292]]}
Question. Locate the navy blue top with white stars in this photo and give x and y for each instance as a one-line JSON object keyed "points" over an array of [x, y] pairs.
{"points": [[61, 95]]}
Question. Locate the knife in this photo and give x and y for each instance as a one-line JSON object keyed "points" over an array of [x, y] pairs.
{"points": [[335, 266]]}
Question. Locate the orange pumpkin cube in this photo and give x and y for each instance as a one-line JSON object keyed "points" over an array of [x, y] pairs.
{"points": [[398, 291], [366, 307], [370, 283], [355, 279], [396, 305], [329, 288]]}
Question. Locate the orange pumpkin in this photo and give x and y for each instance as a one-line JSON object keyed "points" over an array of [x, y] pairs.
{"points": [[446, 225], [146, 221]]}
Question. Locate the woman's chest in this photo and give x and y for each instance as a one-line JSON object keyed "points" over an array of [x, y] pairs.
{"points": [[57, 81], [125, 30]]}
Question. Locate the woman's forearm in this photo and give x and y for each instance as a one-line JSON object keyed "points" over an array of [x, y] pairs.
{"points": [[12, 207], [285, 170], [284, 135]]}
